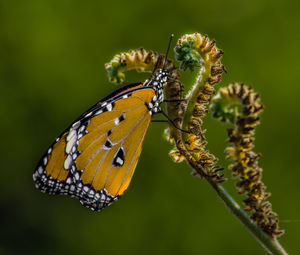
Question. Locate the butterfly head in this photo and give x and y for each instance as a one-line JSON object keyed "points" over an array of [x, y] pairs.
{"points": [[158, 79]]}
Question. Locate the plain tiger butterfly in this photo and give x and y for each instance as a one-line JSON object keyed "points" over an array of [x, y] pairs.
{"points": [[94, 159]]}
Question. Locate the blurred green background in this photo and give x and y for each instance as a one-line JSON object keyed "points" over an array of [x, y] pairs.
{"points": [[52, 56]]}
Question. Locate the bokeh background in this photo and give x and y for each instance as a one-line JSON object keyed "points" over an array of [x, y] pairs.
{"points": [[52, 56]]}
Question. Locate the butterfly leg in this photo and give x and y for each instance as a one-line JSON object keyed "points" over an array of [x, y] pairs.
{"points": [[159, 121], [172, 122], [174, 100]]}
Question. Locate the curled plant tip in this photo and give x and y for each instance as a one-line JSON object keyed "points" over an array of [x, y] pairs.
{"points": [[139, 60], [189, 49], [142, 60], [222, 110], [188, 57], [238, 104], [195, 51]]}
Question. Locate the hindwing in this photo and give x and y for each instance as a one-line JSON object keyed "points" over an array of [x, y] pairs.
{"points": [[95, 158]]}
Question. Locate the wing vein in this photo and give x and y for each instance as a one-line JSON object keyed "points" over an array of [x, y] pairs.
{"points": [[97, 169], [141, 141], [123, 140], [120, 113]]}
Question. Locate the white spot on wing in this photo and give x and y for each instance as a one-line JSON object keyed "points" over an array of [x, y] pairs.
{"points": [[98, 112], [76, 124], [77, 176], [109, 107], [71, 134], [71, 143], [81, 129], [120, 161], [40, 170], [88, 114], [68, 162]]}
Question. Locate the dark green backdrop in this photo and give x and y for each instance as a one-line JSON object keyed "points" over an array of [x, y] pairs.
{"points": [[52, 56]]}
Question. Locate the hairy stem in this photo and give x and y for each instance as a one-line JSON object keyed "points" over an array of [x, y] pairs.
{"points": [[194, 50], [270, 244]]}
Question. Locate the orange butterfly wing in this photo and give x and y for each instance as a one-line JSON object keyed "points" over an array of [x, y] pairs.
{"points": [[94, 160]]}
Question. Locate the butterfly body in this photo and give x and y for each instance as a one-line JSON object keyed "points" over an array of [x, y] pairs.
{"points": [[95, 157]]}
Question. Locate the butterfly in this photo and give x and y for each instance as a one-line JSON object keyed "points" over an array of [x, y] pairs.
{"points": [[94, 159]]}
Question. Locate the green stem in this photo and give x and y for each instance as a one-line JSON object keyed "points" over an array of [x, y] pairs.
{"points": [[200, 95], [202, 77], [270, 244]]}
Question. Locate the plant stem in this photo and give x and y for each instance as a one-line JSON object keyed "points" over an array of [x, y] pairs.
{"points": [[192, 49], [270, 244]]}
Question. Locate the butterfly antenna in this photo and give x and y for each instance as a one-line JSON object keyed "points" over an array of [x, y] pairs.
{"points": [[156, 65], [165, 60], [166, 57]]}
